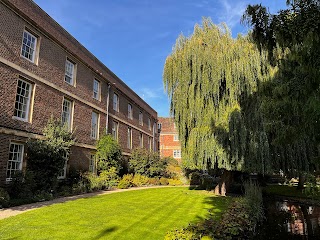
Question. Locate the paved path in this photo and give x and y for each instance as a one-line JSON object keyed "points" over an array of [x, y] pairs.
{"points": [[8, 212]]}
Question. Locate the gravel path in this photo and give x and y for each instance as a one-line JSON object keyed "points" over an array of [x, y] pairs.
{"points": [[8, 212]]}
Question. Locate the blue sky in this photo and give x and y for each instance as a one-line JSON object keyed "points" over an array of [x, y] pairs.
{"points": [[134, 37]]}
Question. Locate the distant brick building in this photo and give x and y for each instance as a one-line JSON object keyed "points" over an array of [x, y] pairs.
{"points": [[46, 72], [169, 139]]}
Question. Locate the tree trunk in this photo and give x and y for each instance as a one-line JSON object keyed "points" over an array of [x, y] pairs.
{"points": [[302, 179], [224, 184]]}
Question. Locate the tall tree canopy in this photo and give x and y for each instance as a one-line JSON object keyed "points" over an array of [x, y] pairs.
{"points": [[291, 103], [213, 81]]}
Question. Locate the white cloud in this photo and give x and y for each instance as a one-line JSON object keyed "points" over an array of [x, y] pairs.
{"points": [[150, 93], [231, 12]]}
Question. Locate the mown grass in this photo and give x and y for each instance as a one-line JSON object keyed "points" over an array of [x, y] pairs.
{"points": [[143, 214]]}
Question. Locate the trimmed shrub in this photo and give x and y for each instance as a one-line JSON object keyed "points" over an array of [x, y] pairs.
{"points": [[164, 181], [140, 180], [154, 181], [4, 198], [126, 181], [175, 182], [147, 163], [48, 157], [109, 154]]}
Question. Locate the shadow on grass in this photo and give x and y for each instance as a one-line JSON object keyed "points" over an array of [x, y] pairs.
{"points": [[105, 232]]}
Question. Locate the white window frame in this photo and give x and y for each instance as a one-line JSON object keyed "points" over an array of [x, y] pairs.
{"points": [[96, 89], [23, 100], [69, 113], [116, 102], [150, 143], [177, 153], [140, 118], [129, 138], [130, 111], [94, 125], [29, 46], [15, 161], [176, 137], [149, 124], [92, 163], [114, 130], [70, 69], [141, 139]]}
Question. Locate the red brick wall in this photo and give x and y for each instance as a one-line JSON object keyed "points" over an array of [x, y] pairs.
{"points": [[55, 45], [167, 143]]}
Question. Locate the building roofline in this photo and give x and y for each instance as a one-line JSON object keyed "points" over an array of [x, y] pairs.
{"points": [[29, 10]]}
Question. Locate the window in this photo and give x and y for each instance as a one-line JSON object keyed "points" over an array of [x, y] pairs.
{"points": [[114, 130], [140, 118], [149, 124], [23, 99], [94, 125], [176, 137], [129, 141], [115, 102], [130, 113], [96, 89], [177, 153], [63, 173], [141, 140], [29, 44], [150, 143], [70, 72], [66, 112], [15, 160], [159, 127], [92, 163]]}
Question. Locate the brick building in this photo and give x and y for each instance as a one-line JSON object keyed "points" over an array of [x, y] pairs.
{"points": [[46, 72], [169, 139]]}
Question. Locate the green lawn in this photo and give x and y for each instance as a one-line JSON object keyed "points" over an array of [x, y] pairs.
{"points": [[143, 214]]}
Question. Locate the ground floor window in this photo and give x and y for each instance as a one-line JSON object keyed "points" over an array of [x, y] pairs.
{"points": [[15, 160], [92, 163], [63, 172]]}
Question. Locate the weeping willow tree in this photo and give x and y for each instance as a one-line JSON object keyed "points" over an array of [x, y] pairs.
{"points": [[212, 81]]}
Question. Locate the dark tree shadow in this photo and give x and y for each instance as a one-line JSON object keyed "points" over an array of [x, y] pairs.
{"points": [[105, 232]]}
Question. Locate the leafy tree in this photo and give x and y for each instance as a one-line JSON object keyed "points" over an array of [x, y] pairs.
{"points": [[291, 103], [109, 154], [147, 163], [47, 157], [212, 81]]}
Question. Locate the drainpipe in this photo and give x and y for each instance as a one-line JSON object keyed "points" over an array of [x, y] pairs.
{"points": [[107, 119]]}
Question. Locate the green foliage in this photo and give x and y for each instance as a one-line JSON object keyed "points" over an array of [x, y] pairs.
{"points": [[140, 180], [147, 163], [4, 198], [312, 188], [109, 154], [241, 218], [164, 181], [290, 102], [126, 181], [107, 179], [181, 234], [175, 182], [47, 157], [211, 80]]}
